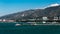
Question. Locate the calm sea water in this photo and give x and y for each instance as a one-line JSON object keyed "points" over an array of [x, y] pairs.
{"points": [[10, 28]]}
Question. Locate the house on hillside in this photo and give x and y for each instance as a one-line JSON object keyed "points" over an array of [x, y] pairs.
{"points": [[44, 18]]}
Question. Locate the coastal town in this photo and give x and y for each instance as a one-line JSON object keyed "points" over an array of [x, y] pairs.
{"points": [[43, 20]]}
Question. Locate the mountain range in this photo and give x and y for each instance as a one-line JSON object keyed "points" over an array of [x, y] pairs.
{"points": [[34, 13]]}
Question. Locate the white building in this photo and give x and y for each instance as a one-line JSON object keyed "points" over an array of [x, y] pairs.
{"points": [[44, 18], [0, 20], [10, 20], [4, 20], [55, 18]]}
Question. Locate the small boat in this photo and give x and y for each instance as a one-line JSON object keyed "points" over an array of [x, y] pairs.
{"points": [[44, 22], [35, 24], [18, 24], [54, 22]]}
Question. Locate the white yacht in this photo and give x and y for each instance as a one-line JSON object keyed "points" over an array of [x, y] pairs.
{"points": [[17, 24]]}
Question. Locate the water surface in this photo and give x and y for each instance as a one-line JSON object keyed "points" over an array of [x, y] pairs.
{"points": [[10, 28]]}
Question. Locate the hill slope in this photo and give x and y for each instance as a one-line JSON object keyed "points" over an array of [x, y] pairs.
{"points": [[34, 13]]}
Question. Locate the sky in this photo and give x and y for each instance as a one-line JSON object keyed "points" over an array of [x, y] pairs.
{"points": [[13, 6]]}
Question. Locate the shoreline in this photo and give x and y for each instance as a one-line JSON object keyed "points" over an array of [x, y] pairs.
{"points": [[40, 24]]}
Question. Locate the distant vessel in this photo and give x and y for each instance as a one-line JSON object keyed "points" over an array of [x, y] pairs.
{"points": [[18, 24], [44, 22], [35, 24]]}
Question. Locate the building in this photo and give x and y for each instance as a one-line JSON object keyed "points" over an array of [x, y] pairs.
{"points": [[0, 20], [10, 20], [56, 18], [44, 18], [6, 20]]}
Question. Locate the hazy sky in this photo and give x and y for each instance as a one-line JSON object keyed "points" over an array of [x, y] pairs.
{"points": [[13, 6]]}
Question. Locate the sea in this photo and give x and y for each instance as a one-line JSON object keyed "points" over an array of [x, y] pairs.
{"points": [[11, 28]]}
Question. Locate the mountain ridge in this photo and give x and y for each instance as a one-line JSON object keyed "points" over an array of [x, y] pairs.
{"points": [[34, 13]]}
